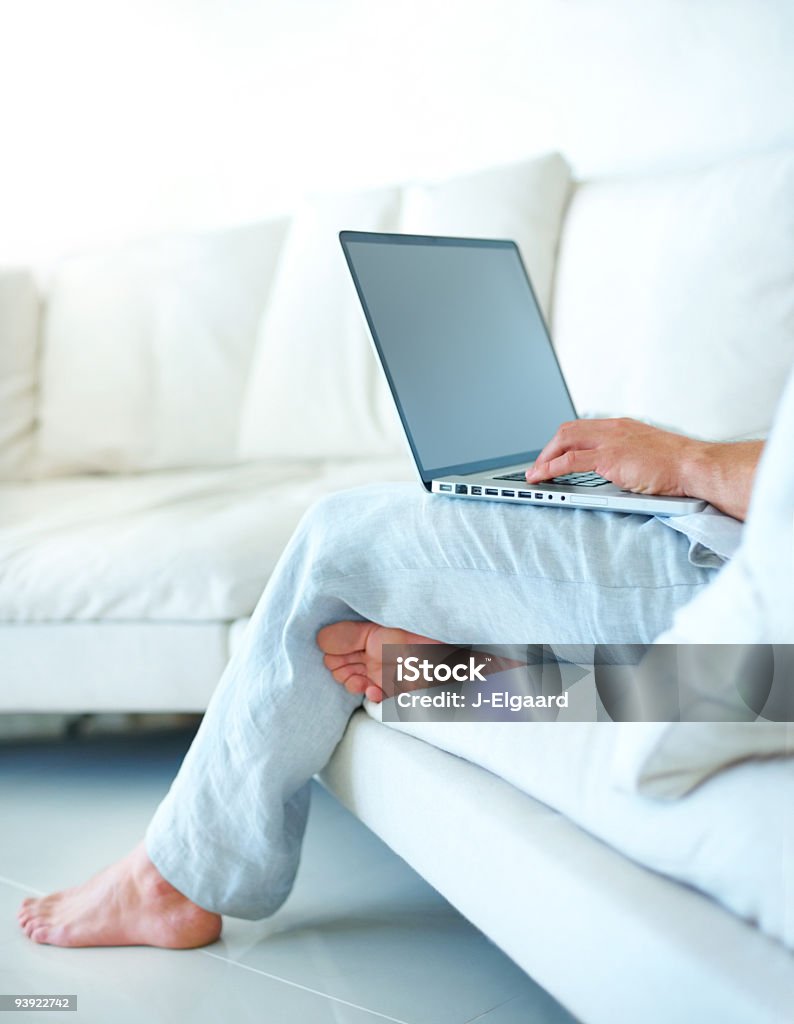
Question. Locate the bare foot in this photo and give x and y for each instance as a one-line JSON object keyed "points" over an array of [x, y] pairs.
{"points": [[354, 657], [127, 904]]}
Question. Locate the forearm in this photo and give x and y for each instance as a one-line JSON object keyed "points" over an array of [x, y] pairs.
{"points": [[721, 474]]}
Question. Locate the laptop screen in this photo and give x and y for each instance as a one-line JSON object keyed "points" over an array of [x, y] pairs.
{"points": [[464, 346]]}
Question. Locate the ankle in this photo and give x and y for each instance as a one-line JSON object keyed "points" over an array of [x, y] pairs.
{"points": [[148, 879]]}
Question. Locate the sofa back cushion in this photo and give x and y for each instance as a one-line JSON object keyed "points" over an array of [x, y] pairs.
{"points": [[524, 201], [674, 297], [313, 378], [315, 388], [19, 325], [146, 351]]}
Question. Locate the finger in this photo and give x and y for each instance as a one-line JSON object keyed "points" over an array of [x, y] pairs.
{"points": [[569, 462], [576, 435]]}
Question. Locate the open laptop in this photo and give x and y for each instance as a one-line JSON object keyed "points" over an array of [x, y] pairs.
{"points": [[462, 341]]}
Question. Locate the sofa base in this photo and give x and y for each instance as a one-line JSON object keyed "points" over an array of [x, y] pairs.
{"points": [[611, 940], [110, 666]]}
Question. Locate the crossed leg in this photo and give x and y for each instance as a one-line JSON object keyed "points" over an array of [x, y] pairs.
{"points": [[226, 839]]}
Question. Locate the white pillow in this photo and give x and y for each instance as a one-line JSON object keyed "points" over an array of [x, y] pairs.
{"points": [[313, 377], [523, 201], [668, 760], [315, 388], [146, 351], [674, 296], [750, 602], [19, 322], [752, 599]]}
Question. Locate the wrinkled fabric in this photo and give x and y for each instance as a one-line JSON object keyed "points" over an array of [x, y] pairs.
{"points": [[228, 833]]}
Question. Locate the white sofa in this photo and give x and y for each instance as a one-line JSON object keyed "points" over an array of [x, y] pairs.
{"points": [[168, 410]]}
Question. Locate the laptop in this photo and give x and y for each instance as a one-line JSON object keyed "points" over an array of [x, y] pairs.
{"points": [[468, 358]]}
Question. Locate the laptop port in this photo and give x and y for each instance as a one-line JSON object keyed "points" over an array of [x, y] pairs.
{"points": [[461, 489], [476, 490], [445, 487], [508, 494], [538, 494], [491, 491], [525, 494], [550, 497]]}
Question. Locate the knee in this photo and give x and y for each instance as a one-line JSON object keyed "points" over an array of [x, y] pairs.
{"points": [[323, 523], [335, 506], [364, 508], [342, 527]]}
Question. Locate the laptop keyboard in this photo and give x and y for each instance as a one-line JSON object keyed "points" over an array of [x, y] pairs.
{"points": [[577, 479]]}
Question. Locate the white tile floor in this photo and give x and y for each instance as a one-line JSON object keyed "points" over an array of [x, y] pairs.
{"points": [[362, 939]]}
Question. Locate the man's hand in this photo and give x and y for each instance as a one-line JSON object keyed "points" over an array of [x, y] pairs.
{"points": [[648, 460]]}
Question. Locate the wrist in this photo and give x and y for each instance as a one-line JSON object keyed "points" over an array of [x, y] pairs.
{"points": [[720, 473], [697, 469]]}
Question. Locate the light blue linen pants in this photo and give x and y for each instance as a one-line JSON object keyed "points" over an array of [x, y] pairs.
{"points": [[228, 834]]}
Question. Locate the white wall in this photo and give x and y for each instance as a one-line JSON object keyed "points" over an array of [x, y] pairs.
{"points": [[122, 118]]}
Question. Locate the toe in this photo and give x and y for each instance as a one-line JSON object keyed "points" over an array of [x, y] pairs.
{"points": [[344, 637], [40, 934], [357, 684], [341, 675], [374, 693], [26, 909], [335, 661]]}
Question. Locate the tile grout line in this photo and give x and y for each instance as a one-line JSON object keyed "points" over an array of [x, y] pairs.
{"points": [[484, 1014], [20, 886], [304, 988], [246, 967]]}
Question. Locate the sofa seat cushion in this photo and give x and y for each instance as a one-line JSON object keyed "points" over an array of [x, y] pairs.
{"points": [[730, 838], [184, 546]]}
